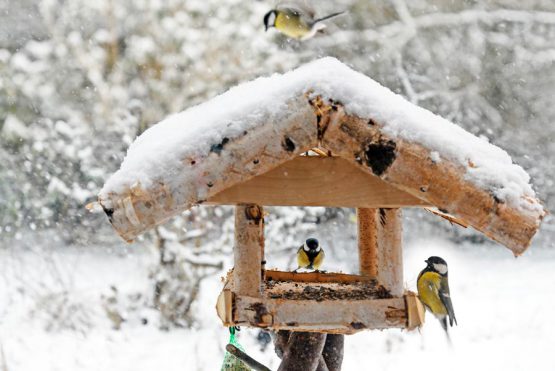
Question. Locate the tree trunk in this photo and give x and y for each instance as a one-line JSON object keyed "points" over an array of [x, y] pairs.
{"points": [[333, 351], [309, 351], [303, 351]]}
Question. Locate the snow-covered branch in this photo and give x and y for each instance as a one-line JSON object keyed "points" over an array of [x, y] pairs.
{"points": [[386, 33]]}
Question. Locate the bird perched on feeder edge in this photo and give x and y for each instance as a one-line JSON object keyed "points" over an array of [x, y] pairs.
{"points": [[310, 255], [296, 20], [433, 290]]}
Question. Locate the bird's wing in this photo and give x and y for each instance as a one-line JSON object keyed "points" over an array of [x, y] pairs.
{"points": [[317, 263], [302, 258], [445, 297], [302, 8]]}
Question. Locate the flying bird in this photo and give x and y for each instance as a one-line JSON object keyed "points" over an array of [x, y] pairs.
{"points": [[296, 20]]}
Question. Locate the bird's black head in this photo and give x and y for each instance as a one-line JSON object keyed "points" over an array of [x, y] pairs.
{"points": [[270, 19], [312, 243], [437, 264]]}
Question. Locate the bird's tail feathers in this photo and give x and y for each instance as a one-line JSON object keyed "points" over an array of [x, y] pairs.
{"points": [[333, 15], [443, 322]]}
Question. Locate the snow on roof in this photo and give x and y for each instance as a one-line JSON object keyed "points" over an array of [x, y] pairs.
{"points": [[157, 154]]}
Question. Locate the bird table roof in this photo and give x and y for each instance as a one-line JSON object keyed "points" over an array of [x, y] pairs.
{"points": [[257, 126]]}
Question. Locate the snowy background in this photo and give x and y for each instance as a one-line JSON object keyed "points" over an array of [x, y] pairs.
{"points": [[79, 80]]}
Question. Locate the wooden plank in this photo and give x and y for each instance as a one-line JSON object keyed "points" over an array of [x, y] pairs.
{"points": [[380, 247], [249, 242], [339, 316], [274, 275], [317, 181], [415, 311], [224, 307]]}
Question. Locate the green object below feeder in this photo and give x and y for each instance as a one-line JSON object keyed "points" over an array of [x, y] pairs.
{"points": [[232, 363]]}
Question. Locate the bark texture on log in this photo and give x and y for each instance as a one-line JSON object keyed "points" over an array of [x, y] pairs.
{"points": [[410, 166], [333, 351], [278, 139], [331, 316], [308, 123], [331, 357], [303, 351], [367, 242], [333, 308], [380, 247], [281, 340], [247, 252]]}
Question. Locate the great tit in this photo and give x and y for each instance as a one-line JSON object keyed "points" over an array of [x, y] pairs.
{"points": [[310, 255], [296, 20], [433, 290]]}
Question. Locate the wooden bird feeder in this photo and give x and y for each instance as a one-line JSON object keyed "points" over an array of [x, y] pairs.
{"points": [[316, 301], [363, 164]]}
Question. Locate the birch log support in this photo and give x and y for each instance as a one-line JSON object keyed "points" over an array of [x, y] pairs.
{"points": [[303, 352], [380, 247], [367, 243], [247, 252], [390, 250]]}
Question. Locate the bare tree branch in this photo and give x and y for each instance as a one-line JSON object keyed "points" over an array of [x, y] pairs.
{"points": [[397, 30], [245, 358]]}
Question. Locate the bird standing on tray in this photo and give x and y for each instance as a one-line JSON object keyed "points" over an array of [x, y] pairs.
{"points": [[310, 255], [296, 20], [433, 290]]}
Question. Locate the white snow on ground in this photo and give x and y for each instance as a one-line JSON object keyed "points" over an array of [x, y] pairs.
{"points": [[157, 154], [504, 307]]}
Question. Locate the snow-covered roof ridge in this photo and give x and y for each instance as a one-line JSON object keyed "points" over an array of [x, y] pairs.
{"points": [[163, 154]]}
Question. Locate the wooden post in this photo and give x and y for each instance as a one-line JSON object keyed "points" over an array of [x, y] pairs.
{"points": [[333, 351], [367, 242], [380, 247], [303, 352], [309, 351], [249, 245]]}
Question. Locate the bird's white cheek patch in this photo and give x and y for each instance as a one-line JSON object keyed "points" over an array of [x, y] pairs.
{"points": [[441, 268], [318, 249], [305, 248]]}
